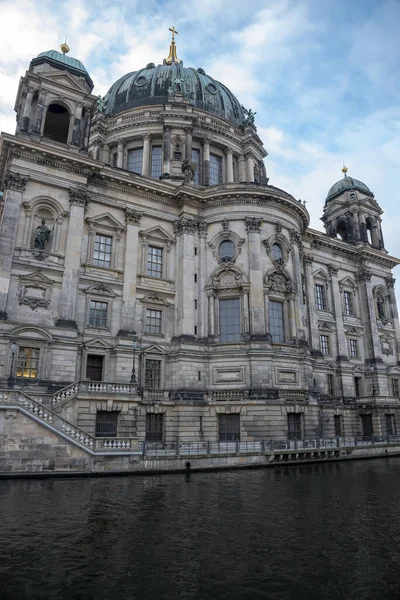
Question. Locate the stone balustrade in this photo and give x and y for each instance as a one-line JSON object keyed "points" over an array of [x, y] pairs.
{"points": [[102, 387]]}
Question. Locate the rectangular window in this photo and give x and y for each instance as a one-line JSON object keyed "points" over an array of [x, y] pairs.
{"points": [[229, 320], [106, 423], [353, 348], [229, 428], [330, 384], [215, 169], [294, 426], [152, 374], [276, 323], [102, 251], [135, 160], [395, 388], [154, 261], [390, 425], [153, 321], [156, 161], [320, 297], [196, 161], [98, 314], [324, 344], [195, 304], [28, 362], [337, 419], [154, 427], [94, 367], [348, 303], [357, 386]]}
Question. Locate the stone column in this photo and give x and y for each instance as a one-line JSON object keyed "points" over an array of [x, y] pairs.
{"points": [[202, 260], [250, 167], [292, 318], [206, 162], [167, 149], [14, 187], [300, 299], [371, 337], [27, 109], [257, 314], [105, 155], [146, 155], [76, 134], [120, 154], [312, 310], [246, 315], [229, 165], [188, 144], [242, 168], [342, 352], [40, 112], [211, 314], [79, 199], [184, 230], [356, 226], [86, 131], [71, 129], [380, 234], [130, 271]]}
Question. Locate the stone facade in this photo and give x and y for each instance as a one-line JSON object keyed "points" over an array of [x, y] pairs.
{"points": [[308, 345]]}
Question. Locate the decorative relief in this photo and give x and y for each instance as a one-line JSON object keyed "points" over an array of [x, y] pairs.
{"points": [[34, 290], [387, 345], [133, 216], [225, 224], [390, 281], [363, 275], [253, 224], [353, 332], [279, 283], [308, 259], [222, 236], [156, 299], [15, 181], [278, 228], [228, 277], [332, 270], [100, 289], [203, 226], [79, 196], [184, 225], [325, 327]]}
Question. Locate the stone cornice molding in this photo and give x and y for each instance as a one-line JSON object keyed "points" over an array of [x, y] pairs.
{"points": [[15, 181]]}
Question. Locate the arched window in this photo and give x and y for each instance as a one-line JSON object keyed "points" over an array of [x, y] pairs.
{"points": [[341, 230], [56, 126], [371, 232], [226, 250], [277, 252]]}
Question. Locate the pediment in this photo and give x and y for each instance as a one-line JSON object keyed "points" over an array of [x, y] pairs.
{"points": [[320, 274], [35, 333], [156, 299], [157, 232], [154, 350], [100, 289], [64, 78], [105, 220], [36, 278], [359, 369], [371, 203], [331, 366], [98, 342], [393, 371], [353, 332], [325, 327], [347, 282]]}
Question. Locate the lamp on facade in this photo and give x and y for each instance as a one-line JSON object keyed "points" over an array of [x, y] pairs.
{"points": [[135, 346], [14, 350]]}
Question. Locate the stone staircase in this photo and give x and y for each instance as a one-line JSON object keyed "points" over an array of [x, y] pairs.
{"points": [[48, 418]]}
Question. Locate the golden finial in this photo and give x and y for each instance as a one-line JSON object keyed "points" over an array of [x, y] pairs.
{"points": [[172, 49], [64, 47], [344, 170]]}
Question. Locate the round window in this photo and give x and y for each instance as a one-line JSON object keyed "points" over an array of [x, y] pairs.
{"points": [[226, 250], [277, 252], [140, 81]]}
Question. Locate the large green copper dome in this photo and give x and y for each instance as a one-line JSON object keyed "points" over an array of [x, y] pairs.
{"points": [[152, 84], [347, 183]]}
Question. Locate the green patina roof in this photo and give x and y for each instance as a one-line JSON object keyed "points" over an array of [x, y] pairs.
{"points": [[347, 183], [63, 61]]}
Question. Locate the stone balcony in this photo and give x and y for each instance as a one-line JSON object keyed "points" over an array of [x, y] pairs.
{"points": [[392, 401]]}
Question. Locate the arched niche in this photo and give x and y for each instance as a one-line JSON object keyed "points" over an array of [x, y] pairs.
{"points": [[51, 211], [56, 125]]}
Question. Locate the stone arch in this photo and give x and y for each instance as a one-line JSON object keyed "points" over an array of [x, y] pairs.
{"points": [[381, 300], [57, 120], [342, 230], [222, 236], [49, 209], [228, 276]]}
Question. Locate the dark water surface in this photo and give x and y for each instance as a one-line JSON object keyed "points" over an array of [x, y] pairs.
{"points": [[314, 532]]}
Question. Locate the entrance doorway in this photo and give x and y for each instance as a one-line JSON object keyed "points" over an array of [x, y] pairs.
{"points": [[94, 367]]}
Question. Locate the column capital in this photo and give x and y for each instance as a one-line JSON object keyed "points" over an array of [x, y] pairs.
{"points": [[146, 137], [203, 226], [15, 181], [308, 259], [79, 196], [228, 151], [363, 275], [253, 224], [133, 216], [390, 281], [206, 141], [121, 142], [332, 270], [184, 225]]}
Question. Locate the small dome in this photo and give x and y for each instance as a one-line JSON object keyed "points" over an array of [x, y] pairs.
{"points": [[347, 183], [150, 86], [62, 61]]}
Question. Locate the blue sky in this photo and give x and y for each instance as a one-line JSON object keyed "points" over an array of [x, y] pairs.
{"points": [[323, 75]]}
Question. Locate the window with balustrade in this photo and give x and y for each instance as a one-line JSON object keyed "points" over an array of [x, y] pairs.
{"points": [[337, 421], [27, 362], [154, 261], [330, 384], [152, 374], [229, 428], [348, 303], [395, 387], [215, 169], [390, 425], [135, 160]]}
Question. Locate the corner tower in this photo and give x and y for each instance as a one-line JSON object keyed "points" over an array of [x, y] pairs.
{"points": [[352, 213], [54, 101]]}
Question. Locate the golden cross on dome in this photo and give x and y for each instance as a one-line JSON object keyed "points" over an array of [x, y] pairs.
{"points": [[174, 31]]}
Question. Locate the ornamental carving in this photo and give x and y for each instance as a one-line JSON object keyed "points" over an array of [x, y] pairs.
{"points": [[363, 275], [184, 225], [227, 280], [15, 181], [79, 196], [279, 283], [132, 216], [225, 224], [390, 281], [332, 270], [386, 345], [253, 224], [278, 228], [34, 290], [203, 226], [308, 259]]}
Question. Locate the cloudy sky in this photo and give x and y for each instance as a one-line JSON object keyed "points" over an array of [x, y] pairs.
{"points": [[323, 75]]}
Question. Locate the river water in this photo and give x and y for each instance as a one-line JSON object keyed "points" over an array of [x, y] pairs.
{"points": [[327, 531]]}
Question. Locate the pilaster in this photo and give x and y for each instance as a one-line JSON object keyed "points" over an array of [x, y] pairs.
{"points": [[130, 270], [257, 311], [185, 285]]}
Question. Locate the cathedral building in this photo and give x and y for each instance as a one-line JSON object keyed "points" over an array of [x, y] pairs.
{"points": [[155, 286]]}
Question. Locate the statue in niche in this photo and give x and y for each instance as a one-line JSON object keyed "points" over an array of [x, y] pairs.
{"points": [[380, 303], [188, 170], [42, 235]]}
